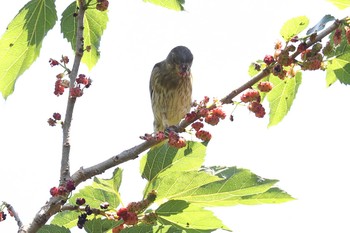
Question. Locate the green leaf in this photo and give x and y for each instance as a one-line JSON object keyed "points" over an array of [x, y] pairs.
{"points": [[100, 225], [166, 157], [21, 43], [293, 27], [173, 184], [97, 194], [281, 96], [189, 217], [170, 4], [146, 228], [320, 25], [66, 219], [111, 185], [95, 22], [271, 196], [53, 229], [339, 68], [101, 190], [252, 70], [341, 4], [235, 184]]}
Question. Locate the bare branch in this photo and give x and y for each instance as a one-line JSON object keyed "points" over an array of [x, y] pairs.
{"points": [[65, 170], [13, 213]]}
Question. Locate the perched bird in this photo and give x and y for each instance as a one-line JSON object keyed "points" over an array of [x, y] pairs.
{"points": [[171, 88]]}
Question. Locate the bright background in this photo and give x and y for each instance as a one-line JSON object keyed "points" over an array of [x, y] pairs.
{"points": [[307, 152]]}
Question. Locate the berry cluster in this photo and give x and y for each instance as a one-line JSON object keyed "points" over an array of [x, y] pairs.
{"points": [[252, 97], [102, 5], [61, 83], [176, 140], [87, 210], [63, 189], [56, 117], [312, 58], [129, 214], [81, 220], [211, 116]]}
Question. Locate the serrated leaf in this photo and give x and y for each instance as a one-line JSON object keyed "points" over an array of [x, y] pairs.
{"points": [[235, 183], [293, 27], [66, 219], [146, 228], [21, 43], [339, 68], [170, 4], [173, 184], [95, 196], [95, 22], [100, 225], [189, 217], [53, 229], [281, 96], [320, 25], [111, 185], [166, 157], [271, 196], [341, 4]]}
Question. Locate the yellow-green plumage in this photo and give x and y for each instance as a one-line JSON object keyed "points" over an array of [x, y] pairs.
{"points": [[171, 88]]}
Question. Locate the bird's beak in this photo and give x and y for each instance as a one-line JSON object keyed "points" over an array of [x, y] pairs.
{"points": [[184, 70]]}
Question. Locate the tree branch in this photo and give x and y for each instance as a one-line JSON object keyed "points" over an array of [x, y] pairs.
{"points": [[65, 170], [13, 212]]}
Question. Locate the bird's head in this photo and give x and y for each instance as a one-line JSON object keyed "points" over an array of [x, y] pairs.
{"points": [[181, 59]]}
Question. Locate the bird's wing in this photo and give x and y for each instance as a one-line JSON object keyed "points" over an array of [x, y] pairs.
{"points": [[154, 77]]}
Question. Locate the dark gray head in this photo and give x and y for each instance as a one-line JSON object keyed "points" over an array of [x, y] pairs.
{"points": [[181, 57]]}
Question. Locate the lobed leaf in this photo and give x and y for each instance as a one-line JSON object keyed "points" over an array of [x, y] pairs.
{"points": [[20, 45], [170, 4], [281, 96], [95, 22], [235, 184], [293, 27], [188, 217], [174, 184]]}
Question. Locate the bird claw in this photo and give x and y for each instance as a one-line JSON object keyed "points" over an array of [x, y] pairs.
{"points": [[169, 129]]}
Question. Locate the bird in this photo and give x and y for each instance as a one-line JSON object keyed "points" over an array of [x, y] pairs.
{"points": [[171, 88]]}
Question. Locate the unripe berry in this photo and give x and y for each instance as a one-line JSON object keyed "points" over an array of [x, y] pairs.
{"points": [[250, 95], [268, 59], [337, 36], [301, 47], [203, 135], [265, 86], [191, 116], [212, 119], [197, 125]]}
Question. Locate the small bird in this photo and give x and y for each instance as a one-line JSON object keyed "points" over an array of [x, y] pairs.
{"points": [[171, 88]]}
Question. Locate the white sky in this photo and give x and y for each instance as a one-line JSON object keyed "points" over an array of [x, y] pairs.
{"points": [[307, 152]]}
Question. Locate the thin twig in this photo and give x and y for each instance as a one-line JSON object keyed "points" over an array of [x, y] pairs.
{"points": [[13, 212]]}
